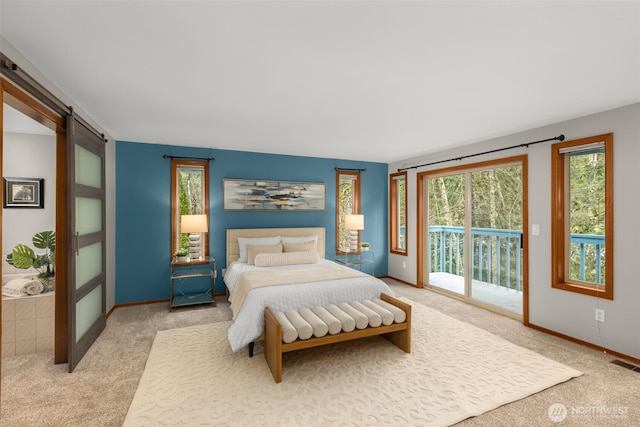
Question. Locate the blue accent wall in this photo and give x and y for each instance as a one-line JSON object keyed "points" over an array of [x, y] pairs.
{"points": [[143, 209]]}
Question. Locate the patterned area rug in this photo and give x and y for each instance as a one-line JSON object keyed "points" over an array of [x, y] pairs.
{"points": [[454, 371]]}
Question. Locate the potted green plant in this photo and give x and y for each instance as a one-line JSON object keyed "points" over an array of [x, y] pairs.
{"points": [[182, 255], [24, 257], [364, 246]]}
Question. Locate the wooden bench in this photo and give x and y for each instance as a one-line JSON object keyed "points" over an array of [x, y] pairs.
{"points": [[398, 333]]}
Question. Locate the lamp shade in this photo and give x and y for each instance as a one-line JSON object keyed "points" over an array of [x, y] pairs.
{"points": [[354, 222], [193, 224]]}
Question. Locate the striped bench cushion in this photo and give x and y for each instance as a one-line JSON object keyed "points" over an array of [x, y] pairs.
{"points": [[319, 321]]}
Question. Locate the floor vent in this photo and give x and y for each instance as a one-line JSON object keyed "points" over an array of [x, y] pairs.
{"points": [[626, 365]]}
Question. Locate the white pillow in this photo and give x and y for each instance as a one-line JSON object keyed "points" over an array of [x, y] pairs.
{"points": [[274, 259], [253, 250], [300, 247], [244, 241], [302, 239]]}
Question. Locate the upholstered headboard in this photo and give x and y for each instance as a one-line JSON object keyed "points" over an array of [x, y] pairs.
{"points": [[233, 250]]}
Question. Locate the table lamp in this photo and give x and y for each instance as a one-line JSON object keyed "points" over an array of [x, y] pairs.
{"points": [[195, 225], [353, 223]]}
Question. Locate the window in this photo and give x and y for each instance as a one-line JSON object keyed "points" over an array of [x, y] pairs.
{"points": [[189, 196], [582, 216], [398, 212], [347, 202]]}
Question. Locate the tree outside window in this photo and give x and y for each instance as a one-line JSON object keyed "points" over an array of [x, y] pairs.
{"points": [[398, 212], [347, 203], [582, 209]]}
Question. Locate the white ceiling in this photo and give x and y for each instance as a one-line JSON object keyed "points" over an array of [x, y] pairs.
{"points": [[365, 80]]}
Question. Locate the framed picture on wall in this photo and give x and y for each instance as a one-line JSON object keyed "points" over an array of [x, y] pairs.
{"points": [[23, 193], [263, 195]]}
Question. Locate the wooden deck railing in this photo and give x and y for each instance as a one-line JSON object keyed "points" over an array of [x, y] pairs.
{"points": [[496, 255]]}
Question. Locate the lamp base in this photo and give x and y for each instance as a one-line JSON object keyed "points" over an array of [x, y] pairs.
{"points": [[353, 241], [194, 246]]}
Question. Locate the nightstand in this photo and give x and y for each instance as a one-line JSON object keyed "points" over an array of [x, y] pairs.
{"points": [[182, 272], [357, 259]]}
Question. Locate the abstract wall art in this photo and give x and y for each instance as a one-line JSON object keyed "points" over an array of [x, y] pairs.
{"points": [[263, 195]]}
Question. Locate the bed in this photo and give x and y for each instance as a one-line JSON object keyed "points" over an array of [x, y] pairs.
{"points": [[258, 276]]}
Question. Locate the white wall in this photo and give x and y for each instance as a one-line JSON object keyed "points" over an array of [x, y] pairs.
{"points": [[562, 311], [29, 156]]}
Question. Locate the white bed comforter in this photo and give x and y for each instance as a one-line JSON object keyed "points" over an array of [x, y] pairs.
{"points": [[249, 323]]}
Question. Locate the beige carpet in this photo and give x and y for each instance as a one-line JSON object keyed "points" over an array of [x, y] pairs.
{"points": [[454, 371]]}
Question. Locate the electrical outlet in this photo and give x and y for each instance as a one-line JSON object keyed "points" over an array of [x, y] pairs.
{"points": [[224, 270], [535, 230], [599, 315], [404, 264]]}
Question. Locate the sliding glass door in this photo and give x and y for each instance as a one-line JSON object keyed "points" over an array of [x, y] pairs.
{"points": [[496, 237], [446, 232], [474, 233]]}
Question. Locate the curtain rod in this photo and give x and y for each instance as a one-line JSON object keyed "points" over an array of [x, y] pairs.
{"points": [[350, 169], [527, 144], [166, 156]]}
